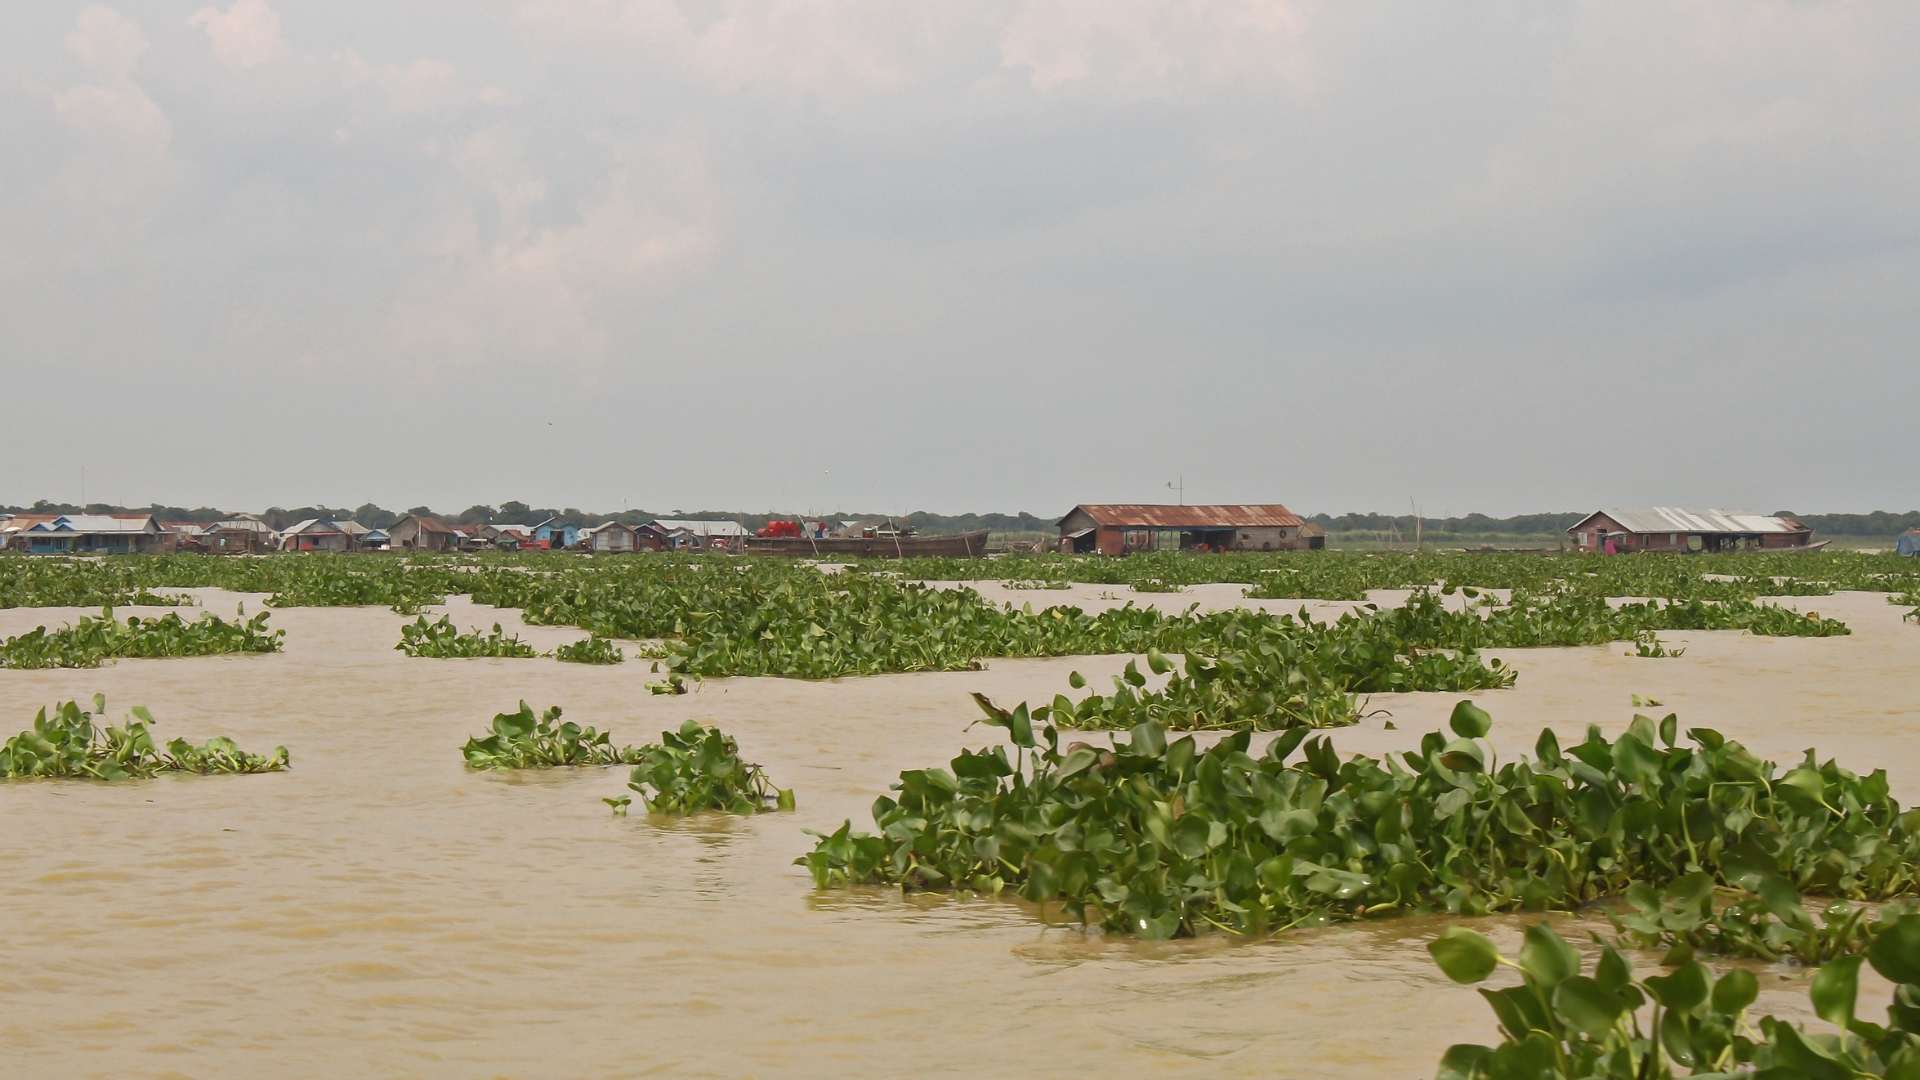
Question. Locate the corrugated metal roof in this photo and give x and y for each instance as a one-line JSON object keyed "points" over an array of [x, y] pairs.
{"points": [[94, 523], [702, 528], [1681, 519], [28, 521], [1195, 516], [430, 524]]}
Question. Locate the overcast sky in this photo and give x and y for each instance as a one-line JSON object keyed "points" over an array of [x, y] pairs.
{"points": [[992, 255]]}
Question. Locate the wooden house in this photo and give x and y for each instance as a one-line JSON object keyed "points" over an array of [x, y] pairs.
{"points": [[421, 532], [1121, 528], [610, 538]]}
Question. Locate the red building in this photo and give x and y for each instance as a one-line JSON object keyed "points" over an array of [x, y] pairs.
{"points": [[1119, 528]]}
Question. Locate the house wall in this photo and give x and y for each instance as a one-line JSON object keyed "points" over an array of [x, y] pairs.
{"points": [[1120, 539], [1275, 538], [332, 542], [613, 540], [235, 540], [1075, 521], [1588, 536], [407, 534], [117, 543]]}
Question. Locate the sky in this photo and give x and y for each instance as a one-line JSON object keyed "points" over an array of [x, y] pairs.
{"points": [[998, 255]]}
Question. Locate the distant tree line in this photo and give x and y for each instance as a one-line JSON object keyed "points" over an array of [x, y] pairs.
{"points": [[1882, 523]]}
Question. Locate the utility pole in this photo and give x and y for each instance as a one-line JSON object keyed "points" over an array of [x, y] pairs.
{"points": [[1179, 485]]}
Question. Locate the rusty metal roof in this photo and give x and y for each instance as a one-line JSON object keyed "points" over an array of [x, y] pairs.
{"points": [[1197, 516], [1680, 519]]}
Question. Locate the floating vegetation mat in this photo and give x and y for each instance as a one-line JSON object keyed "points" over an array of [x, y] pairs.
{"points": [[1162, 838], [69, 743], [91, 641]]}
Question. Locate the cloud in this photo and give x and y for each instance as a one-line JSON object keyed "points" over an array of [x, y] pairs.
{"points": [[515, 276], [1153, 48], [844, 50], [119, 145], [108, 44], [824, 48], [425, 85], [245, 35]]}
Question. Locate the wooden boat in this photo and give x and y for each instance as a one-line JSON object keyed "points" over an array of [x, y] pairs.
{"points": [[886, 546]]}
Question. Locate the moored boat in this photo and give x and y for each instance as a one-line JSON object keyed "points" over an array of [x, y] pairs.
{"points": [[879, 546]]}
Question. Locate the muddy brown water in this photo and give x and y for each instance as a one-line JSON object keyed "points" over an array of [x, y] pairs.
{"points": [[380, 911]]}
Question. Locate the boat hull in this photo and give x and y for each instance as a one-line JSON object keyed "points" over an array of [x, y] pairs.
{"points": [[881, 547]]}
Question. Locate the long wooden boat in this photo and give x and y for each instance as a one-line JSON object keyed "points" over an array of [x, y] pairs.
{"points": [[869, 547]]}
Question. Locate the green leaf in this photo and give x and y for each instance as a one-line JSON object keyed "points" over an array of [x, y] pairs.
{"points": [[1636, 760], [1612, 972], [1735, 991], [1462, 1061], [1020, 725], [1895, 953], [1683, 990], [1076, 762], [1835, 988], [1547, 957], [1149, 739], [1470, 721], [1466, 956], [1586, 1006], [1547, 746], [1805, 1059]]}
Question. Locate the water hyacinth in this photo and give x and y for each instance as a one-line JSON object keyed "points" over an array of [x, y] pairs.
{"points": [[1766, 920], [1565, 1023], [332, 582], [80, 583], [1269, 681], [591, 650], [441, 640], [699, 768], [91, 641], [522, 740], [68, 743], [1161, 838]]}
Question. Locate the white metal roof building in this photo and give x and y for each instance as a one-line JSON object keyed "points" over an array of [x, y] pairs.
{"points": [[242, 525], [1654, 519], [96, 523], [1678, 528], [92, 533], [702, 529]]}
